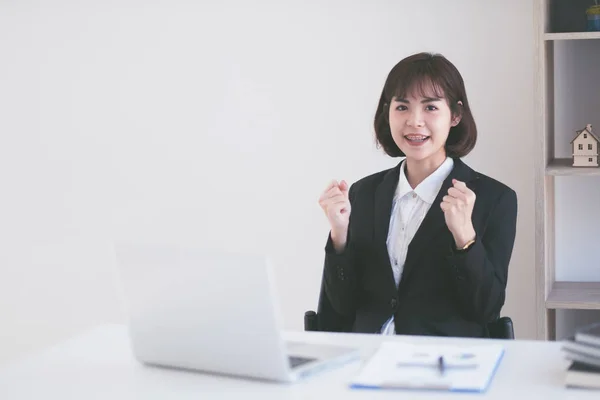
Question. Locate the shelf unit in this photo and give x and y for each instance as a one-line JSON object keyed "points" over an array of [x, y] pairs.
{"points": [[567, 98]]}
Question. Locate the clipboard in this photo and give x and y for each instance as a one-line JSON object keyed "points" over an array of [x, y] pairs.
{"points": [[397, 365]]}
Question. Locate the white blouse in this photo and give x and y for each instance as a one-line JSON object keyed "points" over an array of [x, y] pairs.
{"points": [[408, 211]]}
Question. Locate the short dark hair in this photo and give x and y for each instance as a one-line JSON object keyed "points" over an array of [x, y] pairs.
{"points": [[420, 72]]}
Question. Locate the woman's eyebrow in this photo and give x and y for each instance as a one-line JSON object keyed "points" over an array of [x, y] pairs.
{"points": [[425, 100]]}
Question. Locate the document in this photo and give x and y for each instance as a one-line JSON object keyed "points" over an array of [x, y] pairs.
{"points": [[397, 365]]}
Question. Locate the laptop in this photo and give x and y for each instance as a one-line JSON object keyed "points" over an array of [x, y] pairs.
{"points": [[213, 311]]}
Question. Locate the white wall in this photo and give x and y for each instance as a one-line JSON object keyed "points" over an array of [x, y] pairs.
{"points": [[220, 123]]}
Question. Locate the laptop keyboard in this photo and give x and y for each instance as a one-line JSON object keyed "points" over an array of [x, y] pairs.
{"points": [[297, 361]]}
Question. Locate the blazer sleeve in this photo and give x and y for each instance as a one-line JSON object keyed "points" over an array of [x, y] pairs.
{"points": [[340, 273], [481, 272]]}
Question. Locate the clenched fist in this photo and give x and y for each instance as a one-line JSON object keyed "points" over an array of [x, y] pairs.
{"points": [[335, 203], [458, 208]]}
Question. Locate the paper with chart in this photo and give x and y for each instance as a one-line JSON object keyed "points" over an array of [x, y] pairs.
{"points": [[397, 365]]}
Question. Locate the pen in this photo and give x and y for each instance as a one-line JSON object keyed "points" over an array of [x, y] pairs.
{"points": [[441, 365]]}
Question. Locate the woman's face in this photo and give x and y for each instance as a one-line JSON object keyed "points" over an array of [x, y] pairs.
{"points": [[420, 125]]}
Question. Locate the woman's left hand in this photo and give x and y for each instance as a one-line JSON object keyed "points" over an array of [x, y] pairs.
{"points": [[458, 207]]}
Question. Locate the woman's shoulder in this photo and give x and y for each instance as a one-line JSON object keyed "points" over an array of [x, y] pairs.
{"points": [[370, 182], [491, 187]]}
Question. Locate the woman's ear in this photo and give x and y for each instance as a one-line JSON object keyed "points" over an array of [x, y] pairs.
{"points": [[457, 116]]}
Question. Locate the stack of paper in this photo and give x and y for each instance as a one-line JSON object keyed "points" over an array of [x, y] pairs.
{"points": [[584, 351], [397, 365]]}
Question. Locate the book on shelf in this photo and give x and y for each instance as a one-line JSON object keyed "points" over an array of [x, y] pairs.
{"points": [[583, 350], [589, 334], [571, 345], [583, 358], [580, 375]]}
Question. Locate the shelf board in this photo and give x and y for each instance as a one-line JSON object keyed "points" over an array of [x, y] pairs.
{"points": [[572, 36], [564, 166], [574, 295]]}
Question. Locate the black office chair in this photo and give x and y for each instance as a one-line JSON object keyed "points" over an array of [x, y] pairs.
{"points": [[327, 320], [502, 328]]}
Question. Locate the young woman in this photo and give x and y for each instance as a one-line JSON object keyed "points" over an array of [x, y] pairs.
{"points": [[422, 248]]}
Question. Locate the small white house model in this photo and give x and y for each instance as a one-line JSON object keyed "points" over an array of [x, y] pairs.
{"points": [[585, 148]]}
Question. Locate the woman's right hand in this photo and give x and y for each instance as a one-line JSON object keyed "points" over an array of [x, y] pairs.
{"points": [[335, 203]]}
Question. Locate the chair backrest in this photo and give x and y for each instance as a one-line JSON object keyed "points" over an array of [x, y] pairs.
{"points": [[327, 320], [502, 328], [310, 321]]}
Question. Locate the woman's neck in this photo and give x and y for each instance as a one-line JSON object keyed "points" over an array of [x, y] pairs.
{"points": [[417, 170]]}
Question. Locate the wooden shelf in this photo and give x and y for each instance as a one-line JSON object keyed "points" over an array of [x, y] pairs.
{"points": [[572, 36], [566, 89], [564, 167], [574, 295]]}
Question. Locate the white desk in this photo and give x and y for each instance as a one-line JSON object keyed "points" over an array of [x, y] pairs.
{"points": [[99, 365]]}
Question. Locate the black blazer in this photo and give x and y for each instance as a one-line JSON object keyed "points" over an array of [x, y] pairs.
{"points": [[442, 291]]}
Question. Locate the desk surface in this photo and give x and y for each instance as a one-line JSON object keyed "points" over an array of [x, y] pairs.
{"points": [[99, 365]]}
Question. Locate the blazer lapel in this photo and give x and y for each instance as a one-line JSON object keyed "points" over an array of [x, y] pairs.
{"points": [[434, 222], [384, 196]]}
